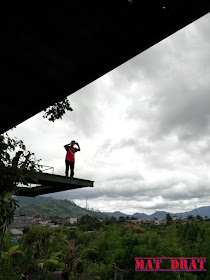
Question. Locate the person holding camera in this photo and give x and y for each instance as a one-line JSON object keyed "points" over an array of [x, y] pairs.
{"points": [[70, 158]]}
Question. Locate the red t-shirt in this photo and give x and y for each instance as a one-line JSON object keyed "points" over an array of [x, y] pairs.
{"points": [[70, 153]]}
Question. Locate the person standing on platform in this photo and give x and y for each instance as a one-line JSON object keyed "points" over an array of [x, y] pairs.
{"points": [[70, 159]]}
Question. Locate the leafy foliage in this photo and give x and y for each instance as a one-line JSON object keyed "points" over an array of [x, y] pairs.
{"points": [[15, 164], [169, 219], [89, 223], [57, 110], [90, 255]]}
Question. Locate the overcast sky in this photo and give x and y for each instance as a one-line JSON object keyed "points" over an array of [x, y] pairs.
{"points": [[143, 128]]}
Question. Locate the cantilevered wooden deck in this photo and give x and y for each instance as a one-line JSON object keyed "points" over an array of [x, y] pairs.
{"points": [[49, 183]]}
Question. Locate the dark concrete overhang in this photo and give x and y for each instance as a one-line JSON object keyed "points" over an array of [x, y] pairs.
{"points": [[50, 183], [51, 49]]}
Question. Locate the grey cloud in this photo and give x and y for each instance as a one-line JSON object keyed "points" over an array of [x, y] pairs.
{"points": [[105, 148], [189, 115], [175, 107], [136, 144], [183, 190], [136, 187], [127, 142], [159, 205], [177, 71], [124, 176], [86, 115]]}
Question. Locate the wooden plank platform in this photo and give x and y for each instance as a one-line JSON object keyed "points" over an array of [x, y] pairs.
{"points": [[50, 183]]}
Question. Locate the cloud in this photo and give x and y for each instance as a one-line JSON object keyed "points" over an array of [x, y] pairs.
{"points": [[171, 91]]}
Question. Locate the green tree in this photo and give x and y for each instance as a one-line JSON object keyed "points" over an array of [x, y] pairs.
{"points": [[57, 110], [199, 218], [121, 219], [71, 257], [16, 163], [190, 218], [169, 219], [89, 223], [111, 220]]}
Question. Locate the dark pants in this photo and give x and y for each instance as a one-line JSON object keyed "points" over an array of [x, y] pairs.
{"points": [[71, 165]]}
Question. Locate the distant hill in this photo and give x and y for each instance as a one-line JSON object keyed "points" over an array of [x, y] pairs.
{"points": [[51, 207], [202, 211], [160, 215], [139, 215], [116, 214]]}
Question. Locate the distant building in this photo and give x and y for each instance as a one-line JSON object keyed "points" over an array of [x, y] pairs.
{"points": [[73, 221], [21, 222], [45, 224], [16, 234], [160, 221], [175, 218], [36, 221], [57, 220], [142, 220]]}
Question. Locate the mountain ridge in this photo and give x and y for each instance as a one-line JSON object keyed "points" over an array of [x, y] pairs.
{"points": [[201, 211], [51, 207], [48, 206]]}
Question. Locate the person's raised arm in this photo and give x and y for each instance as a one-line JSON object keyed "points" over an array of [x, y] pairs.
{"points": [[78, 146], [66, 146]]}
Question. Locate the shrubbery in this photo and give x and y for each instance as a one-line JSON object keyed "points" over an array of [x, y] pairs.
{"points": [[92, 254]]}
